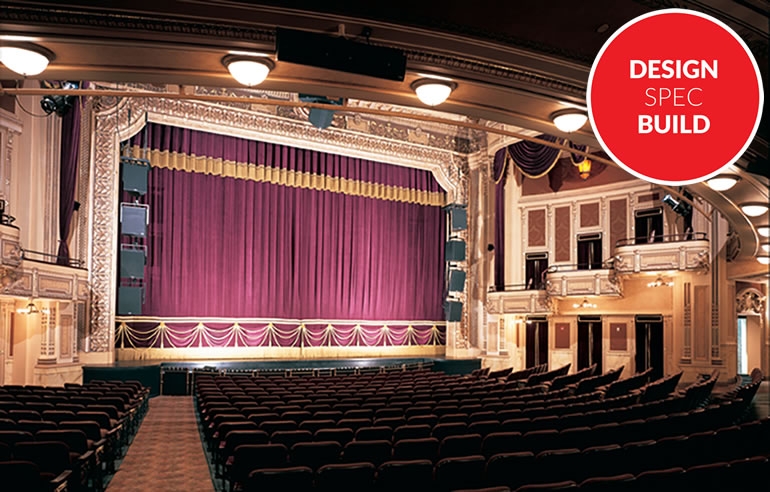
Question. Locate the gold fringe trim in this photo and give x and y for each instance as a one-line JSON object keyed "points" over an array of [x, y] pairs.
{"points": [[534, 176], [260, 173]]}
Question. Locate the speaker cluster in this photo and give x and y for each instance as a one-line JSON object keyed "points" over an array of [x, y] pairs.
{"points": [[134, 221], [454, 253]]}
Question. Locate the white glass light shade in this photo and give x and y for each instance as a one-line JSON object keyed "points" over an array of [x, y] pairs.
{"points": [[249, 71], [432, 92], [766, 247], [723, 182], [754, 209], [764, 231], [25, 62], [764, 259], [569, 120]]}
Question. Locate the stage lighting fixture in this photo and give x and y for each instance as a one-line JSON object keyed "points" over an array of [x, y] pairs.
{"points": [[59, 104], [320, 118], [680, 207]]}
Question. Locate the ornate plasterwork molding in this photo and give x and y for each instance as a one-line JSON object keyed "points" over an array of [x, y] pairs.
{"points": [[266, 38], [750, 301], [112, 125]]}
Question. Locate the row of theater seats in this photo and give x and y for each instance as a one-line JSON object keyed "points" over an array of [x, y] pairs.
{"points": [[243, 447], [66, 438], [225, 430], [466, 475]]}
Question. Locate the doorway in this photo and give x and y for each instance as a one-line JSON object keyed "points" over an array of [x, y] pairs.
{"points": [[590, 342], [535, 267], [649, 345], [648, 225], [537, 341], [589, 251]]}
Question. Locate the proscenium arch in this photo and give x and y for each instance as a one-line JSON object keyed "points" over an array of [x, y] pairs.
{"points": [[116, 120]]}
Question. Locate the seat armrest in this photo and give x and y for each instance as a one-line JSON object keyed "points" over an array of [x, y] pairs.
{"points": [[59, 484]]}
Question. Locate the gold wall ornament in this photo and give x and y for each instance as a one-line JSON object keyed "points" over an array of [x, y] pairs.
{"points": [[9, 276]]}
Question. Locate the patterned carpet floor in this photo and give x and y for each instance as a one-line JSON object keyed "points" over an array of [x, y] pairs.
{"points": [[167, 453]]}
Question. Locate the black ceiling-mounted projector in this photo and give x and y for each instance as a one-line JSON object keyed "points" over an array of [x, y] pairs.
{"points": [[338, 53]]}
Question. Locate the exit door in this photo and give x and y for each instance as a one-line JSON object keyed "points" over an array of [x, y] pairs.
{"points": [[590, 342], [537, 342], [649, 345]]}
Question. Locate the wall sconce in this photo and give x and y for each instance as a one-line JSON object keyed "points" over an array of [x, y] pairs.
{"points": [[584, 168], [584, 305], [29, 309], [248, 70], [25, 59], [433, 91], [569, 120], [659, 282]]}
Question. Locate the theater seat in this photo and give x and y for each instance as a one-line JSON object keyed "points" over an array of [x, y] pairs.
{"points": [[404, 475], [294, 479], [345, 477], [466, 472]]}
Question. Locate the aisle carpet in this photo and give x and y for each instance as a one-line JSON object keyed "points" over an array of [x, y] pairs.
{"points": [[166, 453]]}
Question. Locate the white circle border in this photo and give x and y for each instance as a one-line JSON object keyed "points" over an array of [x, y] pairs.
{"points": [[707, 17]]}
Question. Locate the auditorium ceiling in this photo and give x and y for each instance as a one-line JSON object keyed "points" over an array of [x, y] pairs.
{"points": [[514, 62]]}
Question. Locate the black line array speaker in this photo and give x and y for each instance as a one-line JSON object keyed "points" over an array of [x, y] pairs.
{"points": [[458, 217], [337, 53], [456, 280], [134, 175], [132, 261], [130, 300], [453, 311], [455, 250], [133, 219]]}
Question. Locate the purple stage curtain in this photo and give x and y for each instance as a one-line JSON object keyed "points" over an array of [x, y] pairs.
{"points": [[500, 175], [68, 174], [232, 248], [534, 159]]}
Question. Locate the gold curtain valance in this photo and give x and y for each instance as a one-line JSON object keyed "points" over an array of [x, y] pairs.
{"points": [[286, 177]]}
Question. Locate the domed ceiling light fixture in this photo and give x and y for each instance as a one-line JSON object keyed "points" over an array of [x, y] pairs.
{"points": [[723, 182], [25, 59], [754, 209], [433, 91], [569, 120], [249, 70]]}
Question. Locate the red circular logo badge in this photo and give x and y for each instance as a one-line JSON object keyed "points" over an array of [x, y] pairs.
{"points": [[674, 96]]}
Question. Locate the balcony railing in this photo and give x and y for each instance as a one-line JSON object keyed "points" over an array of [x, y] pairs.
{"points": [[517, 299], [40, 257], [582, 280], [682, 252], [665, 238]]}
